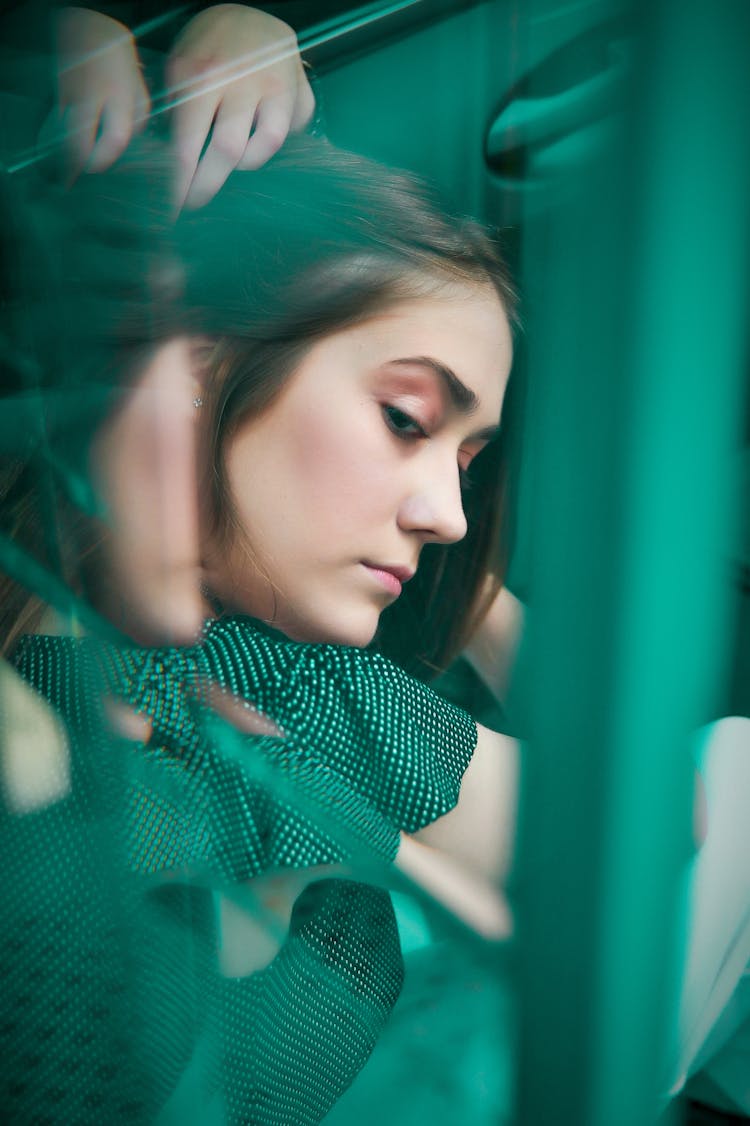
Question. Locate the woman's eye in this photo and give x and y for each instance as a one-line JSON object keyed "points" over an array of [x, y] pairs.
{"points": [[402, 424]]}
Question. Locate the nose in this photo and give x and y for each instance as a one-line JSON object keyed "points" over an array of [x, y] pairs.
{"points": [[434, 507]]}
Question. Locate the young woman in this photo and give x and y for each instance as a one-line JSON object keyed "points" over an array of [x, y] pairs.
{"points": [[344, 369], [350, 424], [351, 347], [354, 487]]}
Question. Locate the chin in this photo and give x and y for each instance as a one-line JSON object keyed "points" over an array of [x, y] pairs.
{"points": [[356, 639], [355, 630]]}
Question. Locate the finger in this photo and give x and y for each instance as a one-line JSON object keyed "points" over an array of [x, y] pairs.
{"points": [[127, 722], [272, 123], [192, 124], [304, 104], [115, 130], [227, 147], [81, 125], [240, 713], [142, 107], [35, 767]]}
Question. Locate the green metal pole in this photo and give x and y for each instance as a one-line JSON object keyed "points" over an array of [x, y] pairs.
{"points": [[636, 349]]}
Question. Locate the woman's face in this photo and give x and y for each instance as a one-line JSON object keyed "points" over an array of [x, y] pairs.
{"points": [[357, 464]]}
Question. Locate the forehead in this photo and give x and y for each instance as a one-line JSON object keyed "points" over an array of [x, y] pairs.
{"points": [[462, 328], [465, 328]]}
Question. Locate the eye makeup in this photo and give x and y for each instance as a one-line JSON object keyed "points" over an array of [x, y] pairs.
{"points": [[414, 393], [461, 398], [402, 424]]}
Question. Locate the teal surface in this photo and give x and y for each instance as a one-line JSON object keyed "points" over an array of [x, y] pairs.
{"points": [[618, 149]]}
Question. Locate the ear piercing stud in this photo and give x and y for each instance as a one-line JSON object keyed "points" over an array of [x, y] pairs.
{"points": [[197, 402]]}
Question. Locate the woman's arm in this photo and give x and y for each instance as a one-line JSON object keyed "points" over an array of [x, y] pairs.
{"points": [[493, 648], [480, 830], [456, 886]]}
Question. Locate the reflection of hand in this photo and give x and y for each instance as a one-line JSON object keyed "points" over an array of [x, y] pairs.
{"points": [[237, 75], [34, 750], [101, 90], [147, 449]]}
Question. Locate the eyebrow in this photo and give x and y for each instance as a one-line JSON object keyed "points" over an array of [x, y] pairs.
{"points": [[462, 397]]}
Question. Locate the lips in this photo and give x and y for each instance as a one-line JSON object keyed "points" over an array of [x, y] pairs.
{"points": [[390, 577], [403, 574]]}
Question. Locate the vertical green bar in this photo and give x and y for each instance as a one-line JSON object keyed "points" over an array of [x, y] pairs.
{"points": [[636, 351]]}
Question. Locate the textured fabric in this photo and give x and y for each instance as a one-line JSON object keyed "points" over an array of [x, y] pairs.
{"points": [[105, 977], [110, 976], [366, 749], [400, 744], [108, 983], [328, 993]]}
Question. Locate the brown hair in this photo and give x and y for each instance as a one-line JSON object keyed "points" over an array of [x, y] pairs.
{"points": [[314, 242], [318, 241]]}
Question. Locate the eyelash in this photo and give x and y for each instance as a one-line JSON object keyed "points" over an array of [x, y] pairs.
{"points": [[394, 418]]}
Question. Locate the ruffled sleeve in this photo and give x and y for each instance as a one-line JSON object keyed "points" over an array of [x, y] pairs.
{"points": [[401, 745]]}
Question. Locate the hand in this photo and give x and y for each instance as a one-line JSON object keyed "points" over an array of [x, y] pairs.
{"points": [[236, 74], [101, 91], [147, 449], [34, 748]]}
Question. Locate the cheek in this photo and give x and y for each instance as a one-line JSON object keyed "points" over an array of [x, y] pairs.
{"points": [[342, 466], [307, 477]]}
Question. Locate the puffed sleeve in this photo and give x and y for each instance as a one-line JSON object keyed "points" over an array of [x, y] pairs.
{"points": [[239, 804], [396, 741], [199, 796]]}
